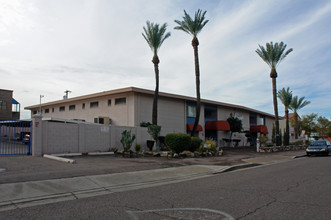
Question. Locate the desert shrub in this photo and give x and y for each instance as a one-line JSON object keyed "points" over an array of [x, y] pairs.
{"points": [[263, 140], [195, 144], [127, 139], [138, 147], [154, 131], [211, 145], [178, 142]]}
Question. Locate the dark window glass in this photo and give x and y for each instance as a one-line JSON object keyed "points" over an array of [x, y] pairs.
{"points": [[83, 106], [62, 109], [72, 107], [109, 102], [47, 110], [94, 104], [120, 101]]}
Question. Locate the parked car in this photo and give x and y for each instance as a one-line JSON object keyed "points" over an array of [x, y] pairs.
{"points": [[26, 139], [321, 147]]}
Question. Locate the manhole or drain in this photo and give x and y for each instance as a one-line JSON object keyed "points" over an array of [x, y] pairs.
{"points": [[242, 167]]}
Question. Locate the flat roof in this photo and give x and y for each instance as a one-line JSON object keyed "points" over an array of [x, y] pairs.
{"points": [[148, 92]]}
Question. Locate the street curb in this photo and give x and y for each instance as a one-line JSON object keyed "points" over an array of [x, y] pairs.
{"points": [[59, 159]]}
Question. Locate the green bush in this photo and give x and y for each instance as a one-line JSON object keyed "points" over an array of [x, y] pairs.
{"points": [[145, 124], [195, 144], [178, 142]]}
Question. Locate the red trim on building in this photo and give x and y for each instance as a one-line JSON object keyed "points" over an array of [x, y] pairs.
{"points": [[189, 127], [217, 125], [259, 129]]}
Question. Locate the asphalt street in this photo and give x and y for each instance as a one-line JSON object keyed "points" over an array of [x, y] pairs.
{"points": [[288, 189]]}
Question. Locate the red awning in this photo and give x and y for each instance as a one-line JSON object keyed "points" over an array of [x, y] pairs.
{"points": [[217, 125], [189, 127], [259, 128]]}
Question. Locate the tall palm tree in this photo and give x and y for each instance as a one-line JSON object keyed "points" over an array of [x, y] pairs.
{"points": [[297, 104], [285, 96], [155, 34], [194, 27], [273, 54]]}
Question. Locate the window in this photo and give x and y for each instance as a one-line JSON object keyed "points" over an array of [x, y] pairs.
{"points": [[109, 102], [3, 105], [252, 119], [47, 110], [62, 109], [191, 110], [94, 104], [34, 112], [72, 107], [52, 109], [83, 106], [262, 120], [120, 101]]}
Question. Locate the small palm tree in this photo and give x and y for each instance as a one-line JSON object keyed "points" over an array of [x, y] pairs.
{"points": [[155, 34], [297, 104], [285, 96], [273, 54], [194, 27]]}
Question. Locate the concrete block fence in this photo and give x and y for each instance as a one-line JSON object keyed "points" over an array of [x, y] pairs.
{"points": [[65, 136]]}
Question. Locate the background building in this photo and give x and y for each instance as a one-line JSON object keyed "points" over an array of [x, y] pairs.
{"points": [[9, 107], [132, 106]]}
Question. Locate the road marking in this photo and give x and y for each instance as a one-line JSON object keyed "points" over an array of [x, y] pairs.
{"points": [[181, 213]]}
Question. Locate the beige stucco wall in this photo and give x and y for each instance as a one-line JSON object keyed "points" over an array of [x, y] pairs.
{"points": [[223, 113], [171, 113], [121, 114], [269, 122]]}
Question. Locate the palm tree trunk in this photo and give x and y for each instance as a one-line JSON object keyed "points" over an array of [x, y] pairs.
{"points": [[195, 44], [296, 124], [274, 94], [287, 135], [156, 92]]}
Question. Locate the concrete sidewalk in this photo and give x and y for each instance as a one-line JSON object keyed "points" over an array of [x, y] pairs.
{"points": [[24, 194], [31, 193]]}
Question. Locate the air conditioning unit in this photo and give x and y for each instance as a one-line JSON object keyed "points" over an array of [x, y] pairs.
{"points": [[102, 120]]}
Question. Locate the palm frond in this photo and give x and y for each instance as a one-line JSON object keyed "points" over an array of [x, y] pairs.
{"points": [[285, 96], [190, 26], [298, 103], [273, 54], [155, 35]]}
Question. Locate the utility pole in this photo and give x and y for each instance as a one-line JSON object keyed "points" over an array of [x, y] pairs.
{"points": [[66, 92]]}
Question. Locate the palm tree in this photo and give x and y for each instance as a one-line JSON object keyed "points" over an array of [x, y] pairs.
{"points": [[194, 27], [297, 104], [285, 96], [155, 35], [273, 54]]}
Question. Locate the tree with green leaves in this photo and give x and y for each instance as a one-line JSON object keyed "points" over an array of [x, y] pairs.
{"points": [[273, 54], [194, 27], [297, 104], [235, 125], [308, 123], [285, 96], [323, 125], [155, 34]]}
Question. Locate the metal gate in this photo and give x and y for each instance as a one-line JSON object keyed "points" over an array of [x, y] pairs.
{"points": [[15, 137]]}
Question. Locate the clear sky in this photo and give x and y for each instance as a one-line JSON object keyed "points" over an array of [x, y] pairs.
{"points": [[90, 46]]}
